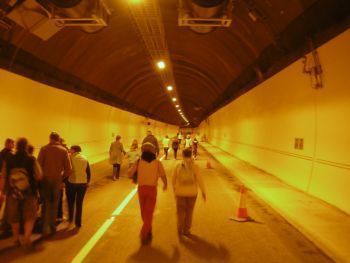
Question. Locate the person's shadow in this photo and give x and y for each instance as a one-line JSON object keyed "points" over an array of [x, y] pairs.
{"points": [[205, 250], [153, 254]]}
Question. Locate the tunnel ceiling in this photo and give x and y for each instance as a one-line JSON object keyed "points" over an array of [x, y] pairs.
{"points": [[210, 70]]}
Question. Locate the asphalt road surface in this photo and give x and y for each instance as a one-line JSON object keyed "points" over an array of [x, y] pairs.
{"points": [[215, 238]]}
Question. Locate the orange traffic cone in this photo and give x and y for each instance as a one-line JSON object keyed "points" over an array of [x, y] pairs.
{"points": [[242, 213], [209, 165]]}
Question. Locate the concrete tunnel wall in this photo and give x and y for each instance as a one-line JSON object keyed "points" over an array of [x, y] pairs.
{"points": [[260, 127], [32, 110]]}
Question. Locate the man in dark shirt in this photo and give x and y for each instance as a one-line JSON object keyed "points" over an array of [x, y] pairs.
{"points": [[7, 151], [5, 154], [152, 139], [56, 165]]}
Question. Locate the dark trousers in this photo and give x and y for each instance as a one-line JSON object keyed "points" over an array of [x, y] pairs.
{"points": [[60, 206], [116, 170], [166, 149], [175, 152], [50, 193], [184, 208], [75, 197]]}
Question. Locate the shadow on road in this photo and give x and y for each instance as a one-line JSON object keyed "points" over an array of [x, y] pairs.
{"points": [[153, 254], [206, 250]]}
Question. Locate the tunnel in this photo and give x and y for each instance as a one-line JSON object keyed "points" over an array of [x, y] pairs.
{"points": [[239, 107]]}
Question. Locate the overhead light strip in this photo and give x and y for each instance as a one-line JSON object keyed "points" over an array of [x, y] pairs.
{"points": [[149, 23]]}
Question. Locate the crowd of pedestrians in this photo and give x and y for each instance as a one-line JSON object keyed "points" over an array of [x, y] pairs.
{"points": [[27, 183]]}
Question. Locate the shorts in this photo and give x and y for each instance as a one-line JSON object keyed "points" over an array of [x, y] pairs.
{"points": [[28, 207]]}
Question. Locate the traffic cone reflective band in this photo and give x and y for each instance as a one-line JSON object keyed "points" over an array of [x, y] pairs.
{"points": [[242, 213], [209, 165]]}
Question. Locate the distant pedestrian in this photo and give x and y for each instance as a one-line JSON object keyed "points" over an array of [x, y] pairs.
{"points": [[133, 154], [153, 140], [20, 175], [180, 137], [175, 145], [116, 152], [186, 181], [149, 170], [166, 142], [195, 147], [56, 166], [77, 184], [188, 142]]}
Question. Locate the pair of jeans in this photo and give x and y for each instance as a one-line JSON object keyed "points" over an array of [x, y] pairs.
{"points": [[184, 209], [175, 152], [147, 199], [166, 149], [50, 193], [116, 170], [75, 196]]}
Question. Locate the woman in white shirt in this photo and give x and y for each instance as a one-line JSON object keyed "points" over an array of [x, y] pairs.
{"points": [[77, 184], [166, 142], [186, 181], [133, 154]]}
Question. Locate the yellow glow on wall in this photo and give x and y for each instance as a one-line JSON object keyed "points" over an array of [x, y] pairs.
{"points": [[260, 127], [33, 110]]}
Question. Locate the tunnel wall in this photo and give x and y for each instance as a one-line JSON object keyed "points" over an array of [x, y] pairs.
{"points": [[260, 127], [33, 110]]}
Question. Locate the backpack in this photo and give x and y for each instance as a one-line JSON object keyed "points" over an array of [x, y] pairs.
{"points": [[19, 182], [185, 177]]}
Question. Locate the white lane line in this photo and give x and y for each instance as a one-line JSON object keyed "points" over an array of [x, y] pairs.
{"points": [[100, 232], [106, 225]]}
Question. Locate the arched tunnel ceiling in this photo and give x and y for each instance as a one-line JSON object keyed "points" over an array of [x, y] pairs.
{"points": [[210, 70]]}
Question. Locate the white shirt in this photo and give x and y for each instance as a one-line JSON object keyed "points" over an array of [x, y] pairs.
{"points": [[166, 142], [188, 143]]}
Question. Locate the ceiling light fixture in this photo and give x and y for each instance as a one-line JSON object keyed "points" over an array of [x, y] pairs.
{"points": [[161, 64], [174, 99], [170, 88]]}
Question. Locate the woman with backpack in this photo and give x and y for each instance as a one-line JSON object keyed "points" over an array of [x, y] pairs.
{"points": [[186, 181], [20, 175]]}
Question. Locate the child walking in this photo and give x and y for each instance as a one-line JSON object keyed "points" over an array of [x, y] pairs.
{"points": [[186, 181]]}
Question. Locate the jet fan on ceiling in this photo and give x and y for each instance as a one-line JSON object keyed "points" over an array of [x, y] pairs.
{"points": [[44, 18]]}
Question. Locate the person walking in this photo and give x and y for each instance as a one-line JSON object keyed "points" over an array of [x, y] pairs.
{"points": [[133, 154], [116, 152], [180, 137], [148, 170], [166, 142], [56, 166], [175, 145], [20, 175], [153, 140], [195, 147], [188, 142], [77, 184], [186, 181]]}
